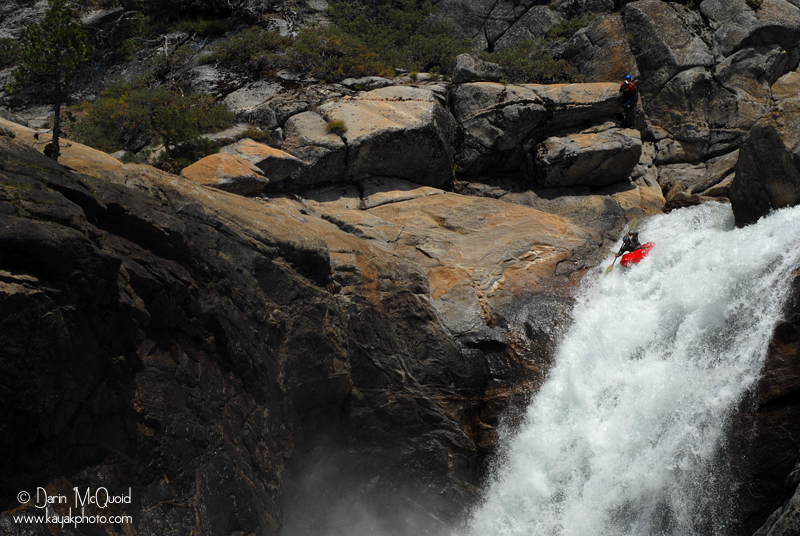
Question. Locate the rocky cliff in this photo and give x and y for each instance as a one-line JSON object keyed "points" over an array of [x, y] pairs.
{"points": [[369, 307]]}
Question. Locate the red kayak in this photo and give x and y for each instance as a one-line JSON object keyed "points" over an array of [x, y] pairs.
{"points": [[634, 257]]}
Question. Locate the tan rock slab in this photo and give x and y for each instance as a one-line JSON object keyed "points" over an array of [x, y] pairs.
{"points": [[276, 165], [227, 172], [74, 155], [787, 87]]}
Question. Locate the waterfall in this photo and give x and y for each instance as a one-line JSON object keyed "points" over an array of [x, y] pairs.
{"points": [[627, 435]]}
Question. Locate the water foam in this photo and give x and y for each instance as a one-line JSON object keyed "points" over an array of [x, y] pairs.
{"points": [[625, 436]]}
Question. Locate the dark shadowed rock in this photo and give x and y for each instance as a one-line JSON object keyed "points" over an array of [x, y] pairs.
{"points": [[768, 169], [576, 8], [765, 437]]}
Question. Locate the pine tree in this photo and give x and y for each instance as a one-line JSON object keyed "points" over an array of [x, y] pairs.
{"points": [[50, 53]]}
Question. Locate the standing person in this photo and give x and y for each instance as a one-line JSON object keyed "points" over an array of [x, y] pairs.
{"points": [[629, 97]]}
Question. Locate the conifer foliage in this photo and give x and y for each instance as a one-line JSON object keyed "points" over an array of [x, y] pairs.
{"points": [[49, 54]]}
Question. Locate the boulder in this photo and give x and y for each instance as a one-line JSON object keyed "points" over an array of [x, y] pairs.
{"points": [[718, 171], [249, 102], [601, 51], [786, 87], [720, 189], [467, 17], [704, 118], [750, 72], [684, 199], [666, 38], [217, 81], [398, 132], [785, 521], [675, 178], [573, 105], [470, 69], [366, 83], [275, 164], [589, 159], [498, 120], [768, 169], [323, 153], [227, 172], [230, 135], [737, 25], [533, 25]]}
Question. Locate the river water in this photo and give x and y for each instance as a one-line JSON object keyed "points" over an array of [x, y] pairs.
{"points": [[627, 435]]}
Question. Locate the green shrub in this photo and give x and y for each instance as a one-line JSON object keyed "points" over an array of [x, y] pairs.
{"points": [[127, 111], [754, 4], [130, 33], [528, 62], [176, 10], [375, 37], [567, 27], [187, 153], [253, 45], [134, 29], [332, 54], [337, 126], [204, 27], [9, 52], [256, 134]]}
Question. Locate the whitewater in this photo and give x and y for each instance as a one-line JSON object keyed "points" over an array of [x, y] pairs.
{"points": [[627, 434]]}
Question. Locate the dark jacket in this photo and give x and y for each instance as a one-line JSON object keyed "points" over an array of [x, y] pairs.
{"points": [[630, 243], [629, 94]]}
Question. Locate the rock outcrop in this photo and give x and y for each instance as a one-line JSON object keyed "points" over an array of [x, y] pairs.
{"points": [[227, 172], [189, 336], [397, 132], [501, 123], [588, 159], [403, 284], [764, 439], [768, 169]]}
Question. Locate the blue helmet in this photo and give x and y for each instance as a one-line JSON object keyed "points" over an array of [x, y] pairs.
{"points": [[628, 77]]}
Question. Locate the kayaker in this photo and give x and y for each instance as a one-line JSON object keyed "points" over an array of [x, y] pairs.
{"points": [[629, 97], [630, 242]]}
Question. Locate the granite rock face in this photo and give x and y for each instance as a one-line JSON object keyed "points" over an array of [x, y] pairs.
{"points": [[768, 169], [403, 286], [589, 159], [765, 463], [188, 336]]}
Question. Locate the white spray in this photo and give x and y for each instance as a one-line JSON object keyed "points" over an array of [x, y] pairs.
{"points": [[624, 438]]}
